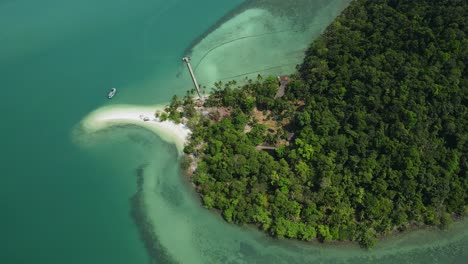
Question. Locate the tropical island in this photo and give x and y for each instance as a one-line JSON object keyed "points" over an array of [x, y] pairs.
{"points": [[368, 138]]}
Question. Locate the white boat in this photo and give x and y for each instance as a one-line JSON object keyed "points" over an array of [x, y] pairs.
{"points": [[111, 93]]}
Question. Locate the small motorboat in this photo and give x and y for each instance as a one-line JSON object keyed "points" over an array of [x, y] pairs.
{"points": [[111, 93]]}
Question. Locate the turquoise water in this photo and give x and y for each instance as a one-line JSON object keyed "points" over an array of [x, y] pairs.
{"points": [[58, 58], [68, 203]]}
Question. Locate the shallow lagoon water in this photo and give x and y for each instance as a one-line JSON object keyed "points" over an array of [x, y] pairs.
{"points": [[266, 39], [68, 203]]}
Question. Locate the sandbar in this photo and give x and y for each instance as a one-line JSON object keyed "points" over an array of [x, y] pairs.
{"points": [[143, 116]]}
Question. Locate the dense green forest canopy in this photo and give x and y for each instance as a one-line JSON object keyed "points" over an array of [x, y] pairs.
{"points": [[370, 137]]}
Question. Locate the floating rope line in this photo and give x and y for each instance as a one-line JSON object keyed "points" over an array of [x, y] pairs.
{"points": [[254, 36], [234, 40]]}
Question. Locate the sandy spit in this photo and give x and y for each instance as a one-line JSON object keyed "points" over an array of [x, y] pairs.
{"points": [[142, 116]]}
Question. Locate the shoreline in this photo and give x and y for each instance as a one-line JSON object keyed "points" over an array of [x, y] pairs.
{"points": [[109, 116], [178, 133], [142, 116], [141, 203]]}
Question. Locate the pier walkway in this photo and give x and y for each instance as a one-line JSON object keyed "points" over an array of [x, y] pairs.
{"points": [[192, 74]]}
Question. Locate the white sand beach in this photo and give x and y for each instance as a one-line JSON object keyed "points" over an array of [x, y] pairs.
{"points": [[137, 115]]}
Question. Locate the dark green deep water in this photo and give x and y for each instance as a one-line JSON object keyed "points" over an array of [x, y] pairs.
{"points": [[64, 203]]}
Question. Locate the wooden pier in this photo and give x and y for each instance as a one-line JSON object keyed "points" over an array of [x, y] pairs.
{"points": [[192, 74], [283, 81]]}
